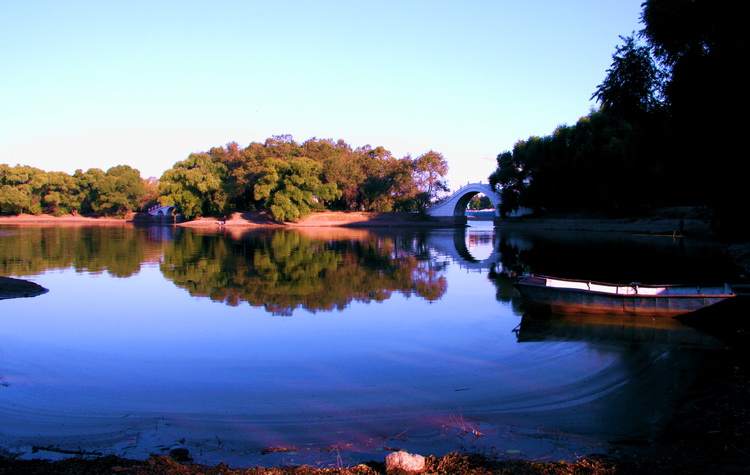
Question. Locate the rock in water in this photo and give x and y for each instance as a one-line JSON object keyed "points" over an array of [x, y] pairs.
{"points": [[404, 462], [14, 288]]}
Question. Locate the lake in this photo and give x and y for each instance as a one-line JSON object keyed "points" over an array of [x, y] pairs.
{"points": [[330, 346]]}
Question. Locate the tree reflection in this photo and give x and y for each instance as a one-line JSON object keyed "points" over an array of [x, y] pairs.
{"points": [[283, 270], [117, 250]]}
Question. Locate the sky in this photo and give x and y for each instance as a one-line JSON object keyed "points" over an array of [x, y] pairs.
{"points": [[95, 84]]}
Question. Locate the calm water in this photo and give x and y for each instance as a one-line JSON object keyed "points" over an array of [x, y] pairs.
{"points": [[339, 344]]}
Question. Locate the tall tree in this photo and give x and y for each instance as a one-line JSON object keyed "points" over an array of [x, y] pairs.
{"points": [[702, 43], [86, 183], [61, 194], [20, 189], [291, 189], [632, 86], [120, 191], [429, 170], [195, 186]]}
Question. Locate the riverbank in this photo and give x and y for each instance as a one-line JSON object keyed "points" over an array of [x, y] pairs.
{"points": [[319, 219], [68, 219], [695, 223], [690, 222]]}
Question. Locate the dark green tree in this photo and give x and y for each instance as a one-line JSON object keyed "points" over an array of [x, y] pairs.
{"points": [[86, 184], [631, 89], [429, 170], [118, 192], [61, 194], [21, 189], [195, 186], [703, 44], [291, 189]]}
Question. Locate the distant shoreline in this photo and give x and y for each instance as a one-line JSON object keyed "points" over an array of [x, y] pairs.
{"points": [[658, 223], [661, 222], [65, 219]]}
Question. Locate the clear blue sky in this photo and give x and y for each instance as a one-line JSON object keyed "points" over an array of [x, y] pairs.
{"points": [[145, 83]]}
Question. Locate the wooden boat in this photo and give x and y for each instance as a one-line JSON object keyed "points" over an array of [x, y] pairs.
{"points": [[568, 296]]}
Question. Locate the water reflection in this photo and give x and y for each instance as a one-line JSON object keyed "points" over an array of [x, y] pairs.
{"points": [[474, 249], [611, 329], [612, 257], [428, 339], [284, 270], [659, 362], [117, 250], [328, 268]]}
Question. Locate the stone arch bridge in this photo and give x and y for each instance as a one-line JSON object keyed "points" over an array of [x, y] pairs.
{"points": [[161, 211], [453, 209]]}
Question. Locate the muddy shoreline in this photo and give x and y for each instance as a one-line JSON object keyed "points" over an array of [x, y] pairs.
{"points": [[666, 221]]}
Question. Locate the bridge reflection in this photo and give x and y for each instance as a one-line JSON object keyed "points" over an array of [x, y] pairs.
{"points": [[475, 248]]}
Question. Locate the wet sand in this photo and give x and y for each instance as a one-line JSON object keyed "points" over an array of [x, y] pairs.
{"points": [[64, 219], [318, 219]]}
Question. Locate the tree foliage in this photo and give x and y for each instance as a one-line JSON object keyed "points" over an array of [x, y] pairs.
{"points": [[196, 186], [25, 189], [120, 190], [702, 44], [290, 179], [663, 134], [292, 189], [631, 89]]}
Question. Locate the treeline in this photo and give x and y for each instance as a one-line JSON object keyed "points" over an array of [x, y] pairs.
{"points": [[116, 192], [290, 179], [667, 131], [285, 178]]}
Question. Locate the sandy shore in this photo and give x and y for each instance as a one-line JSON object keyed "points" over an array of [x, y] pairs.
{"points": [[655, 224], [665, 221], [319, 219], [61, 220]]}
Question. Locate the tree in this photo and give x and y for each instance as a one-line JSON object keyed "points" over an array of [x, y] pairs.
{"points": [[296, 178], [291, 189], [195, 186], [510, 179], [702, 43], [13, 200], [86, 182], [479, 202], [120, 192], [20, 189], [631, 88], [61, 194], [429, 169]]}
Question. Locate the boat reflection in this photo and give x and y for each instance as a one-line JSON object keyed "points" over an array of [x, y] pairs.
{"points": [[610, 328]]}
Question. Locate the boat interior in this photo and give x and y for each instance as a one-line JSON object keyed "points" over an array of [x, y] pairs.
{"points": [[634, 288]]}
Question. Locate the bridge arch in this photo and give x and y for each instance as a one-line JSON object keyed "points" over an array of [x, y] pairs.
{"points": [[454, 207], [162, 211], [453, 244]]}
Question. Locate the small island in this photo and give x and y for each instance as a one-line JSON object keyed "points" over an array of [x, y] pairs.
{"points": [[15, 288]]}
